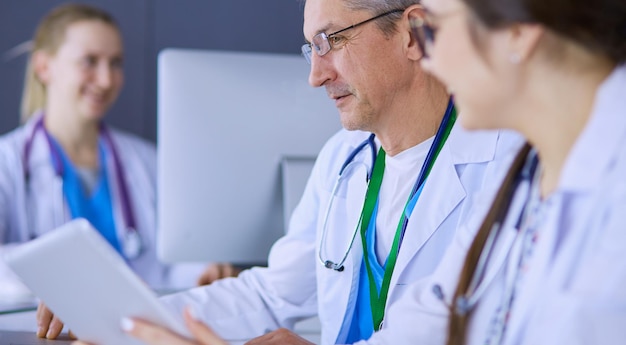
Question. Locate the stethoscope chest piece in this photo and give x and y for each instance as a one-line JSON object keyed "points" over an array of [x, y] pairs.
{"points": [[132, 246]]}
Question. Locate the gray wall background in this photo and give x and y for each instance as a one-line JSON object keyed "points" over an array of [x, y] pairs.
{"points": [[148, 26]]}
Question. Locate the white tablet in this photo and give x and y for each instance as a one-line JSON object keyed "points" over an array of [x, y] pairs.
{"points": [[87, 284]]}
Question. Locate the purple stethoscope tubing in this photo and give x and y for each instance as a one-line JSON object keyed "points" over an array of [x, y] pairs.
{"points": [[132, 241]]}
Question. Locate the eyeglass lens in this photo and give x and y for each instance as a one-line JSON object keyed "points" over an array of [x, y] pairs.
{"points": [[321, 44], [306, 52]]}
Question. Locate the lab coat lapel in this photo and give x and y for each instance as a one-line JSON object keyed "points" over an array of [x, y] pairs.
{"points": [[535, 278], [507, 237], [39, 155], [442, 189], [49, 203], [343, 286], [347, 299]]}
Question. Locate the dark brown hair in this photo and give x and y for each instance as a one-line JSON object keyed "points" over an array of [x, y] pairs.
{"points": [[457, 327], [599, 25]]}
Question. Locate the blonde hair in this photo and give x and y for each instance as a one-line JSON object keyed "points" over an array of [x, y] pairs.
{"points": [[49, 36]]}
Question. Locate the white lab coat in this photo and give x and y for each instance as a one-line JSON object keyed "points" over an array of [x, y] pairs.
{"points": [[39, 205], [296, 286], [574, 291]]}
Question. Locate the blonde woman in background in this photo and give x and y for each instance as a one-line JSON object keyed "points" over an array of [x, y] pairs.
{"points": [[65, 162]]}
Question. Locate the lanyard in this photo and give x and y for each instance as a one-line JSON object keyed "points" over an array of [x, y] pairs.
{"points": [[379, 300]]}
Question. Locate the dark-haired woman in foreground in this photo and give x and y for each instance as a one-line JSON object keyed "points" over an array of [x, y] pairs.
{"points": [[547, 265]]}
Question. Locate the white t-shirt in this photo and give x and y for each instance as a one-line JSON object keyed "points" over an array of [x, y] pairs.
{"points": [[399, 178]]}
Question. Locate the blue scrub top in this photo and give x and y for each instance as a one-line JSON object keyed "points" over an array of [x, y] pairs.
{"points": [[97, 208], [362, 325]]}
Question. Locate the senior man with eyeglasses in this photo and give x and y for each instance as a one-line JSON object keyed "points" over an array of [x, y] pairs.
{"points": [[384, 200]]}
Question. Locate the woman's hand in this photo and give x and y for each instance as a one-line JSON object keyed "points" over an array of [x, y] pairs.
{"points": [[152, 334], [155, 335], [48, 325]]}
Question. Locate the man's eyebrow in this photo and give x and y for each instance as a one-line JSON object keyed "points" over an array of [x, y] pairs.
{"points": [[324, 28]]}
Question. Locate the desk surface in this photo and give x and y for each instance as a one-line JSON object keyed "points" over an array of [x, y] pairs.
{"points": [[25, 322], [20, 328], [29, 338]]}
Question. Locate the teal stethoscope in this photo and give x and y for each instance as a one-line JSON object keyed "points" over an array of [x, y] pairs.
{"points": [[351, 164], [131, 244]]}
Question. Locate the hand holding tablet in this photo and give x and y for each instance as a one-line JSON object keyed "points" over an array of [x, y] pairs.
{"points": [[96, 290]]}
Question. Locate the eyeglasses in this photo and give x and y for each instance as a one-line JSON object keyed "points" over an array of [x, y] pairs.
{"points": [[424, 29], [323, 43]]}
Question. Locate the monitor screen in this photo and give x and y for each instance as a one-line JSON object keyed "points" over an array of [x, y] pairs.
{"points": [[231, 125]]}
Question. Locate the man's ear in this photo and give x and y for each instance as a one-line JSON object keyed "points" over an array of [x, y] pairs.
{"points": [[413, 49], [41, 66]]}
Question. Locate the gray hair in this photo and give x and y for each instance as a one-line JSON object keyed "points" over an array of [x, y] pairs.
{"points": [[386, 24]]}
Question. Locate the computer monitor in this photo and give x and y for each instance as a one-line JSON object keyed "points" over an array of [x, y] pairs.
{"points": [[231, 125]]}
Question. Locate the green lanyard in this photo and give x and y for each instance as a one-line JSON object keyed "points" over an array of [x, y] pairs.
{"points": [[378, 301]]}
